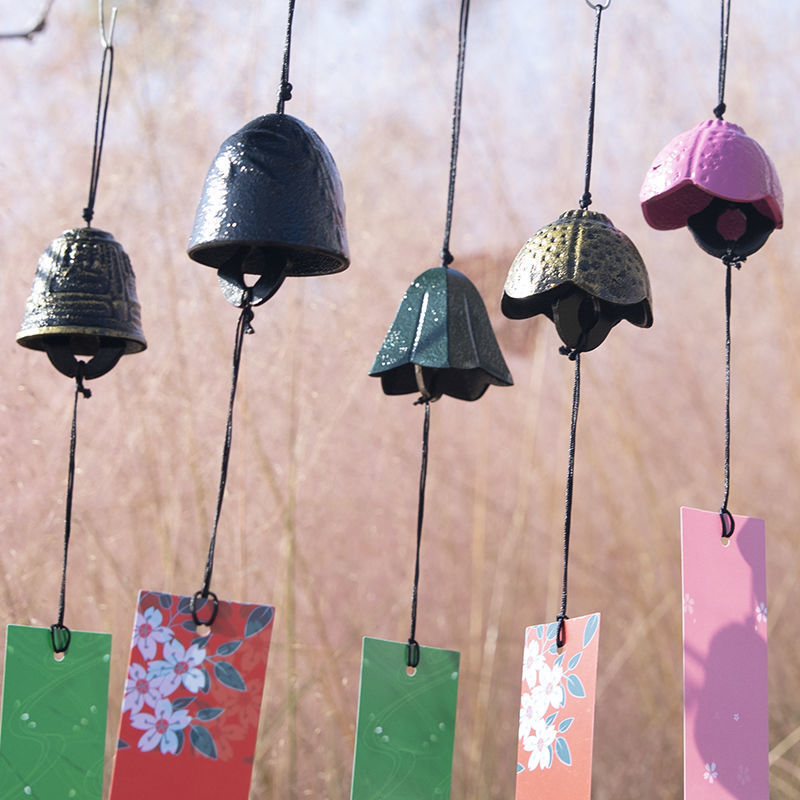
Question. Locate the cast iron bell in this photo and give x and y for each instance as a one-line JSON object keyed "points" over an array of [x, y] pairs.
{"points": [[441, 341], [720, 183], [584, 274], [83, 303], [272, 206]]}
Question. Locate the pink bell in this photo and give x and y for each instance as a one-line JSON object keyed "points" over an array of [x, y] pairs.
{"points": [[720, 183]]}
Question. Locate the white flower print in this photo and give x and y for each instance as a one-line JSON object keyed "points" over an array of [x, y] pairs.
{"points": [[147, 631], [533, 708], [138, 690], [178, 667], [688, 605], [711, 773], [550, 678], [532, 662], [160, 727], [761, 612], [540, 745], [743, 774]]}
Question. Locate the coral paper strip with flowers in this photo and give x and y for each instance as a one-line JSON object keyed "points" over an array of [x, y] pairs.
{"points": [[556, 716], [190, 695]]}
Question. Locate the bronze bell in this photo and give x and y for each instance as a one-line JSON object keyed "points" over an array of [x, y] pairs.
{"points": [[272, 205], [441, 341], [83, 303], [584, 274]]}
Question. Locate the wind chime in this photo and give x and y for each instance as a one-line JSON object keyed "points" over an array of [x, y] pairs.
{"points": [[586, 276], [271, 207], [720, 183], [83, 312], [440, 343]]}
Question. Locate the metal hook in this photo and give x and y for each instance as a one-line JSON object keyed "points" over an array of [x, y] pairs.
{"points": [[426, 395], [598, 6], [106, 40]]}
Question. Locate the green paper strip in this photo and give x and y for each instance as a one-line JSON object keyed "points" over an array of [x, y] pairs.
{"points": [[406, 724], [52, 736]]}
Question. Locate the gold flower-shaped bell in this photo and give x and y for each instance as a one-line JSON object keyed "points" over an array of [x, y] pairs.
{"points": [[584, 274]]}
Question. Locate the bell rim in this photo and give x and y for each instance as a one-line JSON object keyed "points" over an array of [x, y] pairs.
{"points": [[398, 380], [342, 259], [37, 339], [519, 307], [655, 209]]}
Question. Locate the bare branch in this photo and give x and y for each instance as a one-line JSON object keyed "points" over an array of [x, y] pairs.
{"points": [[37, 26]]}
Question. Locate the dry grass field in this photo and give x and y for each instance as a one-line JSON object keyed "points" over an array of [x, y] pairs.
{"points": [[320, 510]]}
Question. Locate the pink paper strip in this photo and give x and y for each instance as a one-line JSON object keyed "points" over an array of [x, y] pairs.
{"points": [[556, 716], [726, 736]]}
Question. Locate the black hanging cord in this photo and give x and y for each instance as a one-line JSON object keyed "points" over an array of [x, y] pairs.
{"points": [[242, 327], [59, 633], [447, 256], [726, 518], [586, 199], [574, 353], [724, 26], [413, 645], [447, 259], [285, 90], [101, 114], [575, 356]]}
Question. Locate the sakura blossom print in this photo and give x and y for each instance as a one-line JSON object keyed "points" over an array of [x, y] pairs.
{"points": [[556, 716], [191, 701]]}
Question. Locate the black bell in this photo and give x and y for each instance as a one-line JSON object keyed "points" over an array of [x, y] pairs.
{"points": [[83, 303], [272, 206]]}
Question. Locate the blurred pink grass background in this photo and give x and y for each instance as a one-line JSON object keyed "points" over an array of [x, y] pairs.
{"points": [[321, 503]]}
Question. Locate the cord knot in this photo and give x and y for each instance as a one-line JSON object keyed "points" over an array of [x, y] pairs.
{"points": [[731, 260], [79, 387], [571, 352], [720, 110], [247, 318]]}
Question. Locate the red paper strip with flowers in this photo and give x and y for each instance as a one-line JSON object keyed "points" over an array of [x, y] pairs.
{"points": [[192, 701]]}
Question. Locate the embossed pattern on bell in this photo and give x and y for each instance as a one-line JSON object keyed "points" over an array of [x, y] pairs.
{"points": [[272, 203], [84, 288], [441, 326], [714, 159], [582, 248]]}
